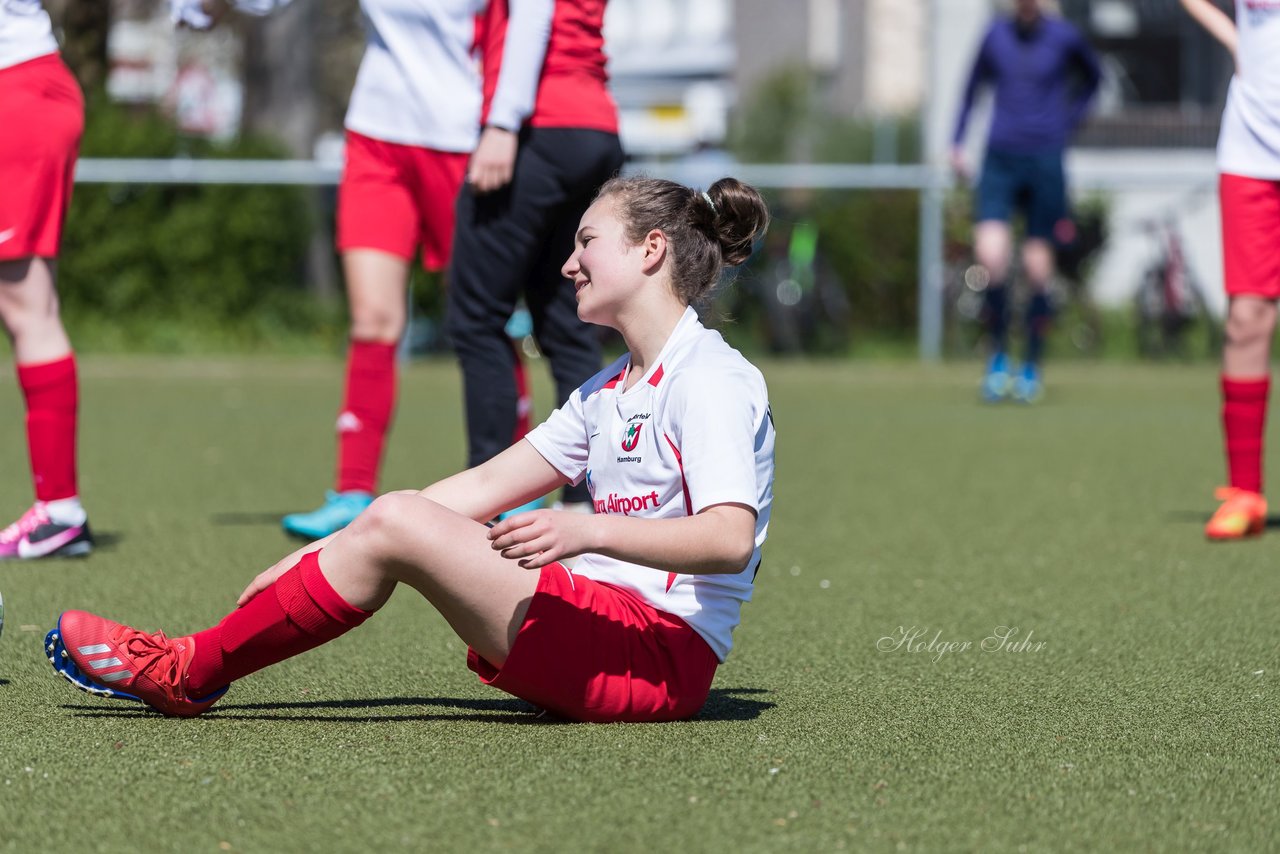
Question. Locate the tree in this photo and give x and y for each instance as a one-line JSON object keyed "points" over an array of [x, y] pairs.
{"points": [[85, 25]]}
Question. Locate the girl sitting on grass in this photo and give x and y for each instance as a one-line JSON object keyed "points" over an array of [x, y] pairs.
{"points": [[675, 442]]}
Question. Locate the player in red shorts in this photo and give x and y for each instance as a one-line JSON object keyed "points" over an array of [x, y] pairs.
{"points": [[1249, 192], [412, 123], [41, 119], [675, 443]]}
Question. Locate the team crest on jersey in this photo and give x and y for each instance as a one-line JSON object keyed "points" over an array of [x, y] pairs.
{"points": [[632, 437]]}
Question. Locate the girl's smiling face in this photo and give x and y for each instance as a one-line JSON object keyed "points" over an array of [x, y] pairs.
{"points": [[605, 268]]}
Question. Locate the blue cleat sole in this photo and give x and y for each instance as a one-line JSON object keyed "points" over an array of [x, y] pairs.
{"points": [[65, 667]]}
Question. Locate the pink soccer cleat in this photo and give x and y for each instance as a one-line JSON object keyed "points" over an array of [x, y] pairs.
{"points": [[36, 535]]}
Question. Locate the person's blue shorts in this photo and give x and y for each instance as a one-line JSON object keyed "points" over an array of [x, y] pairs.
{"points": [[1035, 183]]}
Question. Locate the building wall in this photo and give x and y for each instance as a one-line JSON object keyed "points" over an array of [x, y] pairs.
{"points": [[895, 56], [768, 35]]}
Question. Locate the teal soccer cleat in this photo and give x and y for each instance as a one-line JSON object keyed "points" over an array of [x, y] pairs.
{"points": [[338, 511], [997, 382], [1028, 387]]}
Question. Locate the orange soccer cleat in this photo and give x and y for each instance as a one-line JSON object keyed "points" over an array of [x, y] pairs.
{"points": [[1243, 514], [111, 660]]}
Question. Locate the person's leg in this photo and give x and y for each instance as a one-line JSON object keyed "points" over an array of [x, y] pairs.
{"points": [[1246, 355], [993, 207], [1046, 207], [377, 233], [377, 283], [401, 539], [991, 247], [1037, 263], [29, 310], [1250, 219], [46, 369], [490, 260], [376, 286], [498, 239]]}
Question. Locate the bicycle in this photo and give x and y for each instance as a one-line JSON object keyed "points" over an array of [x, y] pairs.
{"points": [[1171, 299]]}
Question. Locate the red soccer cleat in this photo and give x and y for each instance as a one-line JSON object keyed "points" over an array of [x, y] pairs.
{"points": [[1242, 514], [111, 660]]}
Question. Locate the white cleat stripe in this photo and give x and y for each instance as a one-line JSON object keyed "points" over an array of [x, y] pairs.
{"points": [[93, 649], [104, 663], [116, 677]]}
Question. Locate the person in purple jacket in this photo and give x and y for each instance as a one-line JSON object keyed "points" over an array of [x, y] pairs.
{"points": [[1044, 75]]}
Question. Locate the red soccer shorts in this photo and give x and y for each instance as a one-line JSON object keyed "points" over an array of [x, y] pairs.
{"points": [[1250, 235], [42, 117], [395, 198], [590, 651]]}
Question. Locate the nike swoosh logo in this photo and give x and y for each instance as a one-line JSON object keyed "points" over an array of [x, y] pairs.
{"points": [[7, 233], [44, 532], [48, 545]]}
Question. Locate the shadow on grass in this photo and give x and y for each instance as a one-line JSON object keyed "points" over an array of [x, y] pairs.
{"points": [[106, 540], [249, 518], [3, 682], [723, 704], [1202, 518]]}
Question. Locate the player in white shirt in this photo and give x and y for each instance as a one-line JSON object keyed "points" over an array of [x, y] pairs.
{"points": [[1249, 193], [676, 441], [411, 125], [41, 120]]}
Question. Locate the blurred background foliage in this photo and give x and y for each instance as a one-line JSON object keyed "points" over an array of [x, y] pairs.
{"points": [[185, 267], [838, 268]]}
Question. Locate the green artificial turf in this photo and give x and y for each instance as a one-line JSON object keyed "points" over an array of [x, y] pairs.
{"points": [[1146, 720]]}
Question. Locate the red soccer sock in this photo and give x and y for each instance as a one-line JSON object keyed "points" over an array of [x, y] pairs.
{"points": [[1244, 420], [52, 398], [367, 405], [299, 612]]}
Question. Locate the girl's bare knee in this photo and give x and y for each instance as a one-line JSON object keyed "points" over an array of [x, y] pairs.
{"points": [[1250, 322], [393, 519]]}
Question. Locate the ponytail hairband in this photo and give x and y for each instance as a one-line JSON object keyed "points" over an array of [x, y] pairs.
{"points": [[712, 204]]}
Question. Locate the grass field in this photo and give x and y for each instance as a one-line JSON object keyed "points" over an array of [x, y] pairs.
{"points": [[1147, 719]]}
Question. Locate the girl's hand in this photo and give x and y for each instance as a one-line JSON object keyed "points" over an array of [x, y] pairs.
{"points": [[540, 537], [493, 161], [268, 577]]}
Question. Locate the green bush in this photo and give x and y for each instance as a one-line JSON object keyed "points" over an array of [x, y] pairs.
{"points": [[184, 266]]}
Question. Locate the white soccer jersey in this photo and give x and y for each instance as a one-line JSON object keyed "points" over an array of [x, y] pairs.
{"points": [[1249, 142], [695, 431], [418, 82], [25, 32]]}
